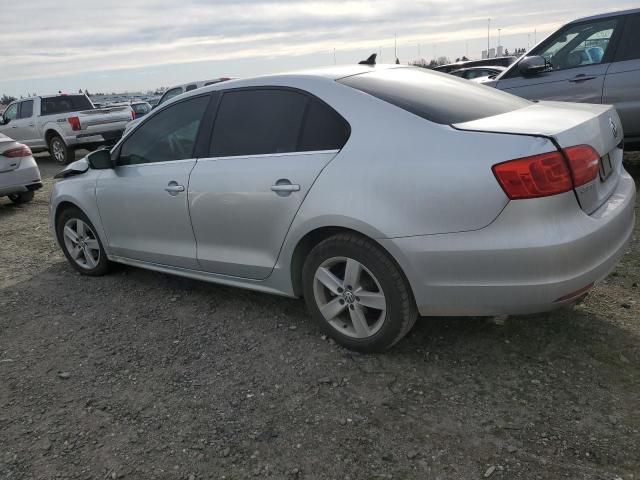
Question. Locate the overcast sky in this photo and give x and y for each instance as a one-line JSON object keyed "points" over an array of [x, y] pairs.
{"points": [[117, 45]]}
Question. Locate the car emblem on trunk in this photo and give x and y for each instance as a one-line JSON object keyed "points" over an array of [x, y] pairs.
{"points": [[614, 129]]}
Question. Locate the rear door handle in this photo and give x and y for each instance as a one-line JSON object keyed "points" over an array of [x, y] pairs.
{"points": [[581, 78], [173, 188], [285, 188]]}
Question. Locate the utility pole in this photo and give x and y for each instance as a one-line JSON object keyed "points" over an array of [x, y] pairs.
{"points": [[488, 35], [499, 30], [395, 45], [535, 36], [334, 56]]}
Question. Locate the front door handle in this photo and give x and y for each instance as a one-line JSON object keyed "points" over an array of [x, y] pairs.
{"points": [[284, 187], [581, 78], [173, 188]]}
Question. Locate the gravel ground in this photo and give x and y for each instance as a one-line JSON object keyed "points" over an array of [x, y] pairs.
{"points": [[143, 375]]}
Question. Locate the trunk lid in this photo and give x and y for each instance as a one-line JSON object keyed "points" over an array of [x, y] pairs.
{"points": [[568, 125]]}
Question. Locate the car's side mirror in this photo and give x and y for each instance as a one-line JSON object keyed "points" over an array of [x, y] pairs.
{"points": [[532, 65], [100, 159], [2, 120]]}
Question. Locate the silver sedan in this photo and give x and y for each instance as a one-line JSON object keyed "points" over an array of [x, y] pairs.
{"points": [[379, 193]]}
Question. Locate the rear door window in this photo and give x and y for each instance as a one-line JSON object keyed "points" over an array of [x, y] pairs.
{"points": [[629, 46], [258, 122], [272, 121], [323, 128], [436, 97], [26, 109]]}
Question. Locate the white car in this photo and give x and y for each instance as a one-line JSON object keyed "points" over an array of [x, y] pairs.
{"points": [[19, 173], [318, 184]]}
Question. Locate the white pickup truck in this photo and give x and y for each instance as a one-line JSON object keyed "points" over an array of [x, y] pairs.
{"points": [[63, 123]]}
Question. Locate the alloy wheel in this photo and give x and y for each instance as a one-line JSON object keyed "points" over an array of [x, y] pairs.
{"points": [[81, 243], [349, 297], [58, 150]]}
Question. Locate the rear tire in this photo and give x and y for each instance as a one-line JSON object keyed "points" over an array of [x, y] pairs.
{"points": [[80, 243], [357, 293], [23, 197], [59, 150]]}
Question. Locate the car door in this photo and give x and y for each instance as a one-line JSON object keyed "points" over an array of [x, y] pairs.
{"points": [[622, 83], [9, 117], [143, 200], [267, 147], [24, 127], [579, 56]]}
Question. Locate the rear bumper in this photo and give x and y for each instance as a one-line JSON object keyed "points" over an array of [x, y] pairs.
{"points": [[25, 178], [96, 137], [519, 264]]}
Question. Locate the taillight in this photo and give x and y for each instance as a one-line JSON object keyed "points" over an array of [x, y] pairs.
{"points": [[533, 177], [133, 115], [17, 152], [584, 163], [74, 122], [548, 173]]}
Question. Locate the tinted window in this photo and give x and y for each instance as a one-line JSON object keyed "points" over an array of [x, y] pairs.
{"points": [[169, 94], [323, 129], [629, 47], [11, 112], [141, 108], [65, 104], [168, 135], [255, 122], [437, 97], [26, 109], [579, 45], [193, 86]]}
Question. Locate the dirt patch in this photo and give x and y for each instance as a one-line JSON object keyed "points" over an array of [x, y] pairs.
{"points": [[142, 375]]}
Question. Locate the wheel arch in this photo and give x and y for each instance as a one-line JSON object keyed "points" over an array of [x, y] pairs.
{"points": [[312, 238], [93, 217], [49, 133]]}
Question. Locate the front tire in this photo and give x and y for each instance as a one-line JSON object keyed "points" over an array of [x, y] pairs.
{"points": [[357, 293], [23, 197], [80, 243], [59, 150]]}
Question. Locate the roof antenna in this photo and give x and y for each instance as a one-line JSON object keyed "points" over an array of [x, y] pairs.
{"points": [[369, 61]]}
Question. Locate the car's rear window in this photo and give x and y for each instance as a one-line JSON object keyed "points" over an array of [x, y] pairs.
{"points": [[437, 97], [65, 104]]}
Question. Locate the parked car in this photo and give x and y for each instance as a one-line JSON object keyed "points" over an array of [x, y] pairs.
{"points": [[63, 123], [318, 184], [479, 74], [591, 60], [485, 62], [141, 108], [187, 87], [19, 173]]}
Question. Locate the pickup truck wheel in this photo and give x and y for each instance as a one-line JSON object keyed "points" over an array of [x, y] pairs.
{"points": [[19, 198], [59, 150]]}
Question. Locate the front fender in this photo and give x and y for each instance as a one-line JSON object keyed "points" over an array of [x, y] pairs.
{"points": [[80, 192]]}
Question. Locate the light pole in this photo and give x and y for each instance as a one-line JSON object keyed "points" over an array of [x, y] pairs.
{"points": [[499, 30], [488, 35]]}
